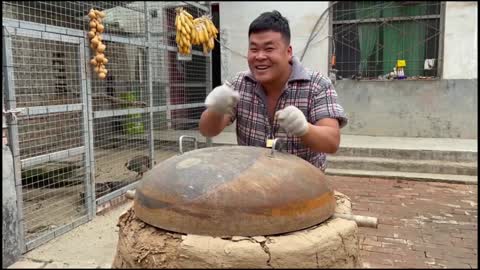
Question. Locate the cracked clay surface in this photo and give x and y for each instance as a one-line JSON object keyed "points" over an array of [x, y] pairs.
{"points": [[331, 244]]}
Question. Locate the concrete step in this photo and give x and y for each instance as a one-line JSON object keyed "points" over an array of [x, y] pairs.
{"points": [[439, 155], [460, 150], [448, 149], [428, 177], [401, 165], [416, 154]]}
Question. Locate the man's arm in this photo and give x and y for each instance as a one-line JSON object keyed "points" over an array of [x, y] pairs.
{"points": [[212, 123], [324, 136]]}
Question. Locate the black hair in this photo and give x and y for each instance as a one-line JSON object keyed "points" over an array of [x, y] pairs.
{"points": [[271, 21]]}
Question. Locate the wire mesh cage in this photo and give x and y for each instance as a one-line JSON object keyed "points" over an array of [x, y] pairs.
{"points": [[83, 139], [370, 38], [47, 83]]}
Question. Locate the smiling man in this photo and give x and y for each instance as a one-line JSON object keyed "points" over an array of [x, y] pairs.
{"points": [[277, 98]]}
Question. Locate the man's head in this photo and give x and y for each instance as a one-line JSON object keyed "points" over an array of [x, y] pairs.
{"points": [[269, 50]]}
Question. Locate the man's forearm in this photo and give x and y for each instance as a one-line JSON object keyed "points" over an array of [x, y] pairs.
{"points": [[211, 123], [322, 138]]}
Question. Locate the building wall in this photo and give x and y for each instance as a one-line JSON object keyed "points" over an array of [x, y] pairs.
{"points": [[461, 43], [235, 18], [432, 109], [445, 108]]}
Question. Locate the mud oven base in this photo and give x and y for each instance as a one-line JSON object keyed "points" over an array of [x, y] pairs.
{"points": [[331, 244]]}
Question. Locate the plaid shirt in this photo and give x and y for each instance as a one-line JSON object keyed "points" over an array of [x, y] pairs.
{"points": [[307, 90]]}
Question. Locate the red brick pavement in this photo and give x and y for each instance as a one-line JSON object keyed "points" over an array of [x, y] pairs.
{"points": [[420, 224]]}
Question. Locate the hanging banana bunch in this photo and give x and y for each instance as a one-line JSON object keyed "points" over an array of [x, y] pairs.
{"points": [[207, 32], [194, 32], [95, 34], [184, 27]]}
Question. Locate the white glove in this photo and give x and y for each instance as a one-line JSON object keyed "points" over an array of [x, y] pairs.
{"points": [[292, 120], [222, 99]]}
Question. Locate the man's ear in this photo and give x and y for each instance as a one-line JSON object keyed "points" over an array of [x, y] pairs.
{"points": [[290, 54]]}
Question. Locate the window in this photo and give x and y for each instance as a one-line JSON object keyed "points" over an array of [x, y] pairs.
{"points": [[369, 38]]}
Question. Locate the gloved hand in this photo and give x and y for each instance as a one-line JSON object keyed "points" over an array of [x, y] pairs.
{"points": [[222, 99], [292, 120]]}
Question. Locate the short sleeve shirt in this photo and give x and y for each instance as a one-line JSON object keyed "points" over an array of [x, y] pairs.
{"points": [[307, 90]]}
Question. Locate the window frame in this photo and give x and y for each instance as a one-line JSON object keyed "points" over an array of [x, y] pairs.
{"points": [[440, 16]]}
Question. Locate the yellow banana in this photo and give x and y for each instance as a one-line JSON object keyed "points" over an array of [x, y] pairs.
{"points": [[176, 22], [213, 28], [197, 38], [187, 28], [177, 38], [209, 28], [205, 49], [193, 37], [184, 31], [187, 14], [183, 19], [185, 41], [180, 41], [190, 23], [193, 34], [200, 34], [188, 18], [211, 43], [205, 34]]}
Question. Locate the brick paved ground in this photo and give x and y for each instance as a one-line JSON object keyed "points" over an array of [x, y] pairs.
{"points": [[420, 224]]}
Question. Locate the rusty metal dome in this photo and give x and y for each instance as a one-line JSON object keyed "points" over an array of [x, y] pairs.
{"points": [[234, 191]]}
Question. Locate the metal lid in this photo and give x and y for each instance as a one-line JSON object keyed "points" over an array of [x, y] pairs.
{"points": [[234, 191]]}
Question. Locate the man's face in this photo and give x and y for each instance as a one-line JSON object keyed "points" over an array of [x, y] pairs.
{"points": [[269, 56]]}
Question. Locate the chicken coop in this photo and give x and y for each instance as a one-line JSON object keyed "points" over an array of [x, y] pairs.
{"points": [[80, 141]]}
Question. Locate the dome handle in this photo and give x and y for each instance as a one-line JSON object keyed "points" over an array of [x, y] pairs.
{"points": [[180, 142], [275, 144]]}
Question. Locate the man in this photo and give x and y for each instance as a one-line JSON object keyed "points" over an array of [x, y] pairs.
{"points": [[277, 98]]}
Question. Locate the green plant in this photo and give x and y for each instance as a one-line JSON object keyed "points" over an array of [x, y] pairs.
{"points": [[133, 124]]}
